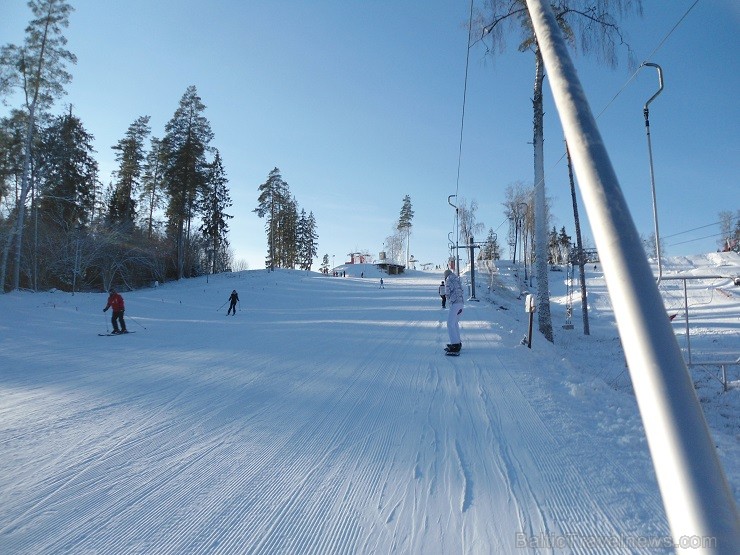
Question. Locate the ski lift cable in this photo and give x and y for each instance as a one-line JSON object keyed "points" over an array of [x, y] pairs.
{"points": [[655, 50], [694, 229], [697, 239], [465, 94], [462, 129]]}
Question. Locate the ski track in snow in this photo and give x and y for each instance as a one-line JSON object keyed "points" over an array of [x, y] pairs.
{"points": [[322, 418]]}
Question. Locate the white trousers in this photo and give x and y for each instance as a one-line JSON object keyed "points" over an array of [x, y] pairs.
{"points": [[453, 323]]}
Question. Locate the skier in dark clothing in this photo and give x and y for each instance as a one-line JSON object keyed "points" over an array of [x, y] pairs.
{"points": [[233, 299], [115, 301], [443, 294]]}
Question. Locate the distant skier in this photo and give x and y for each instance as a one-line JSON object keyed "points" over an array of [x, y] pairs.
{"points": [[443, 294], [381, 284], [454, 293], [115, 301], [233, 299]]}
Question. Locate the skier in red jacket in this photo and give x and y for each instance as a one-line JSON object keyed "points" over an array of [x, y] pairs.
{"points": [[115, 301]]}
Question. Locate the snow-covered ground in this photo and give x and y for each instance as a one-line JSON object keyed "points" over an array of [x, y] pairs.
{"points": [[324, 418]]}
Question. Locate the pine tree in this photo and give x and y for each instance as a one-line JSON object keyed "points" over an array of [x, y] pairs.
{"points": [[404, 223], [130, 155], [307, 240], [564, 242], [490, 250], [38, 68], [151, 197], [273, 195], [310, 241], [66, 178], [67, 174], [186, 145], [213, 205], [288, 234]]}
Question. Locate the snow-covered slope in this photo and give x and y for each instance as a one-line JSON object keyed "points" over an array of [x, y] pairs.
{"points": [[324, 418]]}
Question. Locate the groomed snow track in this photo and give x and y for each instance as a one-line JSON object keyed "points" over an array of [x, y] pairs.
{"points": [[322, 418]]}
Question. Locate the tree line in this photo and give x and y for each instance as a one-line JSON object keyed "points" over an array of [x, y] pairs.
{"points": [[164, 214]]}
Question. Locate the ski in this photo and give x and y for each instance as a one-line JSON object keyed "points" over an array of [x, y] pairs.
{"points": [[114, 334]]}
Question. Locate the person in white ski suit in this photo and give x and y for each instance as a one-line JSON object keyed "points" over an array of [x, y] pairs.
{"points": [[454, 294]]}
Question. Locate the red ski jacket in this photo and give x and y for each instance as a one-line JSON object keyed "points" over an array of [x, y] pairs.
{"points": [[115, 301]]}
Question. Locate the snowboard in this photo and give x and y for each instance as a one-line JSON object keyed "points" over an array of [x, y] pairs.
{"points": [[114, 334], [452, 353]]}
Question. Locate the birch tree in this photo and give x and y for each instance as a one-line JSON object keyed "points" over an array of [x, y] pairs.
{"points": [[590, 25]]}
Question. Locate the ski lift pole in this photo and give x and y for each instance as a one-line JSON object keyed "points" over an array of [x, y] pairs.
{"points": [[696, 496], [646, 113], [472, 246], [529, 308], [580, 256], [570, 271], [457, 235], [522, 219]]}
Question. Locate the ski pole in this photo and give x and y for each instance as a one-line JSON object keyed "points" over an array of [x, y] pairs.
{"points": [[220, 307], [105, 317], [135, 321]]}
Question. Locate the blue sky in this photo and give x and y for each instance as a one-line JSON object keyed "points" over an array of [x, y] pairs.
{"points": [[359, 103]]}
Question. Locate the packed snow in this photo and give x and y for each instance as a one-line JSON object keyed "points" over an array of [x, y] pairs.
{"points": [[324, 417]]}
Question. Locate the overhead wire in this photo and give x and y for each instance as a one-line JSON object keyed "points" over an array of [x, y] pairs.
{"points": [[690, 230], [697, 239], [465, 95], [462, 128], [720, 234], [655, 50]]}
